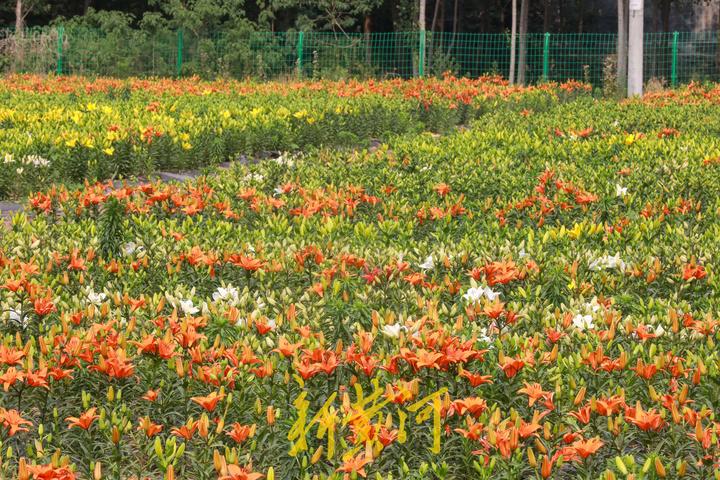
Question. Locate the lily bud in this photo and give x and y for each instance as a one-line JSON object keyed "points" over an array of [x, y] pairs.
{"points": [[23, 473], [659, 468], [531, 457]]}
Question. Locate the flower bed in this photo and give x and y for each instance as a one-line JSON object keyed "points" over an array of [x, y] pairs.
{"points": [[70, 129], [533, 297]]}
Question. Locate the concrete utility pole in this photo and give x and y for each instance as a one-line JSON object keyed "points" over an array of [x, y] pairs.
{"points": [[635, 48]]}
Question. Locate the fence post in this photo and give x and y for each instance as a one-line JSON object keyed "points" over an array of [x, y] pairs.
{"points": [[546, 57], [178, 65], [421, 56], [300, 50], [60, 34], [673, 71]]}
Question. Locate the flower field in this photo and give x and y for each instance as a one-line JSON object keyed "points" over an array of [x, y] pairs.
{"points": [[530, 296], [70, 129]]}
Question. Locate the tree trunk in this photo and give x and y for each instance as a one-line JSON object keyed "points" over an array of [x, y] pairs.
{"points": [[652, 60], [421, 27], [546, 16], [513, 39], [717, 29], [367, 29], [622, 45], [86, 6], [581, 15], [455, 17], [665, 14], [19, 18], [19, 34], [436, 10], [431, 40], [522, 54], [455, 25]]}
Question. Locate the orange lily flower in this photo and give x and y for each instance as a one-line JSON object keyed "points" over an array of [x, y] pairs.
{"points": [[151, 395], [355, 465], [151, 429], [84, 421], [209, 402], [474, 429], [693, 272], [248, 264], [609, 406], [11, 376], [12, 420], [49, 472], [534, 392], [585, 448], [475, 406], [43, 306], [582, 415], [442, 189], [646, 421], [9, 356], [285, 348], [235, 472], [186, 431], [511, 366], [476, 379], [240, 433]]}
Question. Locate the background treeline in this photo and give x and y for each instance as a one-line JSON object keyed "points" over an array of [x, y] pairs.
{"points": [[265, 39], [204, 16]]}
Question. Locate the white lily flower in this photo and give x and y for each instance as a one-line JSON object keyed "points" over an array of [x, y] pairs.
{"points": [[428, 264], [484, 337], [15, 317], [659, 331], [96, 298], [583, 322], [188, 307], [608, 262], [620, 191], [393, 331], [131, 247], [475, 294], [491, 294], [227, 294]]}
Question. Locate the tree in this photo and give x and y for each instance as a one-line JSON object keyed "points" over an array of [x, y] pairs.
{"points": [[622, 44], [547, 6], [454, 23], [23, 8], [522, 54], [335, 15], [513, 40], [433, 25], [201, 16]]}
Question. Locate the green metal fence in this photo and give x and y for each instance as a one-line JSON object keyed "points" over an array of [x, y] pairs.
{"points": [[673, 58]]}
